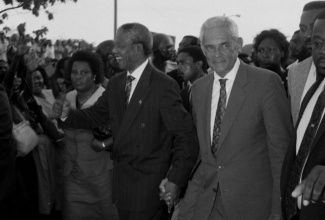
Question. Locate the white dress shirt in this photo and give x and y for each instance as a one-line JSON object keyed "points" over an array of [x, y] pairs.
{"points": [[311, 79], [137, 73], [216, 92]]}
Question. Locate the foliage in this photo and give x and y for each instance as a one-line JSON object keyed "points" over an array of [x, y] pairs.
{"points": [[39, 33], [30, 5], [6, 29]]}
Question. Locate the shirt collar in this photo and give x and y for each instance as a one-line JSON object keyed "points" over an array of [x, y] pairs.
{"points": [[138, 71], [232, 73]]}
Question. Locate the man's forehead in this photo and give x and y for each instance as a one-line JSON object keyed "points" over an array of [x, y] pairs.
{"points": [[319, 26], [218, 33]]}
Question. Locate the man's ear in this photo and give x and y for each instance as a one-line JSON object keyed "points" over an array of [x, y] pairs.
{"points": [[239, 43], [139, 48]]}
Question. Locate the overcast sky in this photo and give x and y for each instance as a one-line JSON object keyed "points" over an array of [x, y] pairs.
{"points": [[93, 20]]}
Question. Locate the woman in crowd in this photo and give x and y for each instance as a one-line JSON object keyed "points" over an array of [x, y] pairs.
{"points": [[87, 191], [47, 154], [36, 176], [271, 52]]}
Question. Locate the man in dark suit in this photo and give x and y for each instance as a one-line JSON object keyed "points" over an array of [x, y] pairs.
{"points": [[144, 120], [191, 65], [242, 117], [305, 160], [187, 41]]}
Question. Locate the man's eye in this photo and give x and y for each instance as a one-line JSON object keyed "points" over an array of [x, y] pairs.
{"points": [[318, 44], [210, 48]]}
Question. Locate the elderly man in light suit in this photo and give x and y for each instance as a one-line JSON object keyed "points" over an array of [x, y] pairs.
{"points": [[243, 123]]}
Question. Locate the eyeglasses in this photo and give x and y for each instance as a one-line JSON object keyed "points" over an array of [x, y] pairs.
{"points": [[270, 50]]}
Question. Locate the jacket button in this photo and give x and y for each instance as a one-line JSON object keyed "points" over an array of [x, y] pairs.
{"points": [[143, 125], [214, 190]]}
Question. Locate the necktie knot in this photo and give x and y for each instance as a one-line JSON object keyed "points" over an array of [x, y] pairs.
{"points": [[129, 78], [222, 82]]}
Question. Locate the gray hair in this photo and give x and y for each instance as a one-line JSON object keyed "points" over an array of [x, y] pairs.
{"points": [[219, 21], [139, 34]]}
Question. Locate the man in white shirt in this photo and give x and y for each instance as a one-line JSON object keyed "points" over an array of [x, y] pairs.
{"points": [[302, 75], [305, 160], [243, 123]]}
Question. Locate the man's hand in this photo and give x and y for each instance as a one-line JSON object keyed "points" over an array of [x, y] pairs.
{"points": [[169, 192], [312, 188], [60, 108]]}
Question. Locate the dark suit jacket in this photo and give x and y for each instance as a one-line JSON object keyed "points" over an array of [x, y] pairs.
{"points": [[7, 157], [186, 99], [315, 211], [255, 134], [143, 137]]}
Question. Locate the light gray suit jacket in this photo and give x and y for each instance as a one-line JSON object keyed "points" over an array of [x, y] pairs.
{"points": [[297, 77], [255, 133]]}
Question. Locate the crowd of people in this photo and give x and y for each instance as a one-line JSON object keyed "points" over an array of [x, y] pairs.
{"points": [[134, 130]]}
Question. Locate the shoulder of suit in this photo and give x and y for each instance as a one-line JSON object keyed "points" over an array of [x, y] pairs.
{"points": [[297, 66], [117, 76]]}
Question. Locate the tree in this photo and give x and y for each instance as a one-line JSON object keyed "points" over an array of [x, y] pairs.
{"points": [[31, 5], [39, 33]]}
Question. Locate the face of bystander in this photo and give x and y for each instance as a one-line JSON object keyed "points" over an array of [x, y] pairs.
{"points": [[187, 68], [269, 54], [82, 77], [307, 20], [296, 45], [318, 46], [38, 82]]}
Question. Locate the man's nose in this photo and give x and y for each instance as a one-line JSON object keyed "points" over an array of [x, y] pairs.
{"points": [[114, 51]]}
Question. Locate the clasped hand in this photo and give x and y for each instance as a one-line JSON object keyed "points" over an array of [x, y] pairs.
{"points": [[169, 192], [60, 108]]}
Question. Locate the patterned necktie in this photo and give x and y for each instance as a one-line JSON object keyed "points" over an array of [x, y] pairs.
{"points": [[290, 202], [219, 116], [128, 86]]}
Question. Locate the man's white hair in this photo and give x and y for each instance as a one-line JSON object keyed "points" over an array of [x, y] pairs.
{"points": [[219, 21]]}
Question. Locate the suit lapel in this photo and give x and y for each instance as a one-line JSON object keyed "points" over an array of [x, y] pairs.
{"points": [[299, 81], [204, 106], [236, 99], [138, 97]]}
